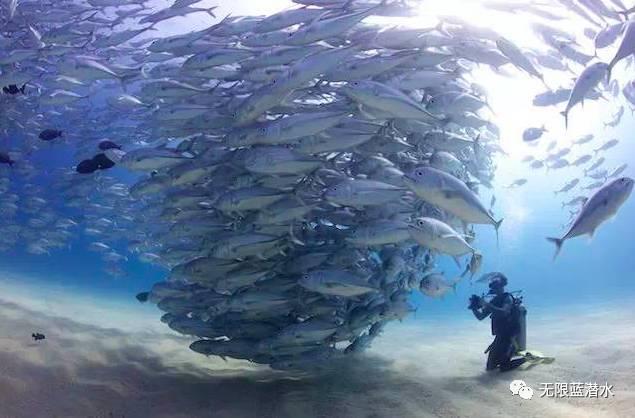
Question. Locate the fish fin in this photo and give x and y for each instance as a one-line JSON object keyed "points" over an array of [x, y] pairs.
{"points": [[497, 225], [347, 6], [467, 269], [317, 18], [457, 260], [210, 11], [558, 242], [455, 282], [477, 144], [566, 118], [293, 237]]}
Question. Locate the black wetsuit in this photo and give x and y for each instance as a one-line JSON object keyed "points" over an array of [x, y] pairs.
{"points": [[501, 350]]}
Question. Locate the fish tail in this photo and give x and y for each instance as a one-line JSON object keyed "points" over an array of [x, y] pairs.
{"points": [[439, 28], [497, 225], [144, 71], [347, 6], [558, 242], [542, 78], [210, 11], [476, 146], [565, 113], [295, 240], [467, 269]]}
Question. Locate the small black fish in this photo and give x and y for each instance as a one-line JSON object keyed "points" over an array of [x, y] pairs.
{"points": [[13, 89], [6, 159], [142, 297], [106, 145], [50, 134], [37, 336], [87, 167], [103, 162]]}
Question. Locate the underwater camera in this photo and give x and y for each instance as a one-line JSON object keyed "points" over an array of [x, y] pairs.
{"points": [[475, 302]]}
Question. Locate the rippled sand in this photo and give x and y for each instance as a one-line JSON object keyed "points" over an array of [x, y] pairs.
{"points": [[423, 368]]}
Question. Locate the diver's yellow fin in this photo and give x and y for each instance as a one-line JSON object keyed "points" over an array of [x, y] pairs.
{"points": [[534, 358]]}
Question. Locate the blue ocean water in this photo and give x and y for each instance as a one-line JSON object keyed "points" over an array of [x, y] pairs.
{"points": [[584, 273], [588, 271], [108, 355]]}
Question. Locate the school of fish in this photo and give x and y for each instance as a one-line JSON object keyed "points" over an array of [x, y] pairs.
{"points": [[297, 174]]}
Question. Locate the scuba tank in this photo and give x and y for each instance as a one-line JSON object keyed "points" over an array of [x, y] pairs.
{"points": [[518, 318]]}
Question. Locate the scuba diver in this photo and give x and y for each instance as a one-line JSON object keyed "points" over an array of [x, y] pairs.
{"points": [[508, 324]]}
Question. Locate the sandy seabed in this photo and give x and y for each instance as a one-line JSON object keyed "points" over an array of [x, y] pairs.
{"points": [[104, 363]]}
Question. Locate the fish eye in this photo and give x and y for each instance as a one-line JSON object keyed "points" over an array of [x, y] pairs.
{"points": [[420, 222], [420, 173]]}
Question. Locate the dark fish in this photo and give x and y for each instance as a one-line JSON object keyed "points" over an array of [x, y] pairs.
{"points": [[37, 336], [13, 89], [142, 297], [103, 162], [87, 167], [106, 145], [6, 159], [50, 134]]}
